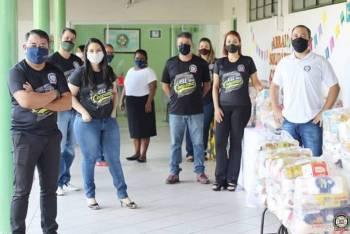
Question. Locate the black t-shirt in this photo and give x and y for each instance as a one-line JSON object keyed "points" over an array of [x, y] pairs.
{"points": [[67, 66], [208, 98], [186, 82], [39, 121], [98, 101], [234, 80]]}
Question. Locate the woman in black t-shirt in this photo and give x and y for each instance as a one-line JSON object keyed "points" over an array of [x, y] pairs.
{"points": [[94, 128], [232, 108], [206, 52]]}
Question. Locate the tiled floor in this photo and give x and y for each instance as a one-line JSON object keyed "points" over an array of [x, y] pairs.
{"points": [[187, 207]]}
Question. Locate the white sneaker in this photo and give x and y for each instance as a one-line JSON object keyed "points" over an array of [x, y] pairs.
{"points": [[70, 187], [92, 204], [60, 191]]}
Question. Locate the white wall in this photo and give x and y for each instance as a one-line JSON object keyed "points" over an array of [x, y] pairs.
{"points": [[205, 12], [265, 30], [152, 11]]}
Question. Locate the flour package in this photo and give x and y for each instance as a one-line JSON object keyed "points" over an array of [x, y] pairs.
{"points": [[319, 202]]}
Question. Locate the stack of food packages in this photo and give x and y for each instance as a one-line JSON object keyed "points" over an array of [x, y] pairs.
{"points": [[321, 204], [300, 189], [264, 113], [336, 137]]}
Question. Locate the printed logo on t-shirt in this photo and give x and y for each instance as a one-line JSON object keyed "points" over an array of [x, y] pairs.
{"points": [[307, 68], [102, 96], [184, 84], [193, 68], [52, 78], [241, 68], [231, 81], [43, 113]]}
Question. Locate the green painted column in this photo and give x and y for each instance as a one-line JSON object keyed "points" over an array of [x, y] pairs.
{"points": [[8, 48], [41, 15], [59, 20]]}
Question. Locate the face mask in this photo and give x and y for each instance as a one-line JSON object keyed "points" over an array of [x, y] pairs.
{"points": [[79, 54], [204, 51], [109, 57], [300, 44], [232, 48], [185, 49], [37, 55], [95, 57], [140, 63], [67, 45]]}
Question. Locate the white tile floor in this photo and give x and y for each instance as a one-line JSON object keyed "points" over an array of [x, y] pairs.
{"points": [[187, 207]]}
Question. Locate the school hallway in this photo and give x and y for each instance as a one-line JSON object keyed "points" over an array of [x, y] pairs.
{"points": [[188, 207]]}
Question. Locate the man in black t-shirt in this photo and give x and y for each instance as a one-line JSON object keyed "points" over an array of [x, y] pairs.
{"points": [[67, 62], [185, 81], [38, 90]]}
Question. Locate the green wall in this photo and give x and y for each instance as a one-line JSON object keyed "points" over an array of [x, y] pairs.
{"points": [[159, 50]]}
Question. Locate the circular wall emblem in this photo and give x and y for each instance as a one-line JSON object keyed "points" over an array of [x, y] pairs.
{"points": [[122, 40], [193, 68]]}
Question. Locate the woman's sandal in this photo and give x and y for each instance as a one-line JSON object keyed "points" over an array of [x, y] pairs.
{"points": [[132, 158], [231, 187], [142, 159], [216, 186], [128, 203]]}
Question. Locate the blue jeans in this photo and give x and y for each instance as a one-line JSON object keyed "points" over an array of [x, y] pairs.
{"points": [[65, 121], [178, 125], [308, 134], [208, 111], [89, 135]]}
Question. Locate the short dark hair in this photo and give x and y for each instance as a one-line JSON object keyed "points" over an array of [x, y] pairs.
{"points": [[303, 26], [81, 48], [109, 45], [187, 35], [143, 52], [39, 32], [69, 30]]}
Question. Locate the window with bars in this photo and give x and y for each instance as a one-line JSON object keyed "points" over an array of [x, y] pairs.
{"points": [[300, 5], [262, 9]]}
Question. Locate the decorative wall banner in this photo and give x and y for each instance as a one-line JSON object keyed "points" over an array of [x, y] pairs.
{"points": [[348, 12], [315, 40], [331, 43], [326, 52]]}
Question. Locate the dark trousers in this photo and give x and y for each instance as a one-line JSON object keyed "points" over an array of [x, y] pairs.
{"points": [[30, 151], [232, 127]]}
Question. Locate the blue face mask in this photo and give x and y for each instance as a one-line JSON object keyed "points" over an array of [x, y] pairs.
{"points": [[37, 55], [140, 63]]}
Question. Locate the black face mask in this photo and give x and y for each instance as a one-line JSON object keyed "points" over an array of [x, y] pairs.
{"points": [[109, 58], [184, 49], [300, 44], [232, 48]]}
